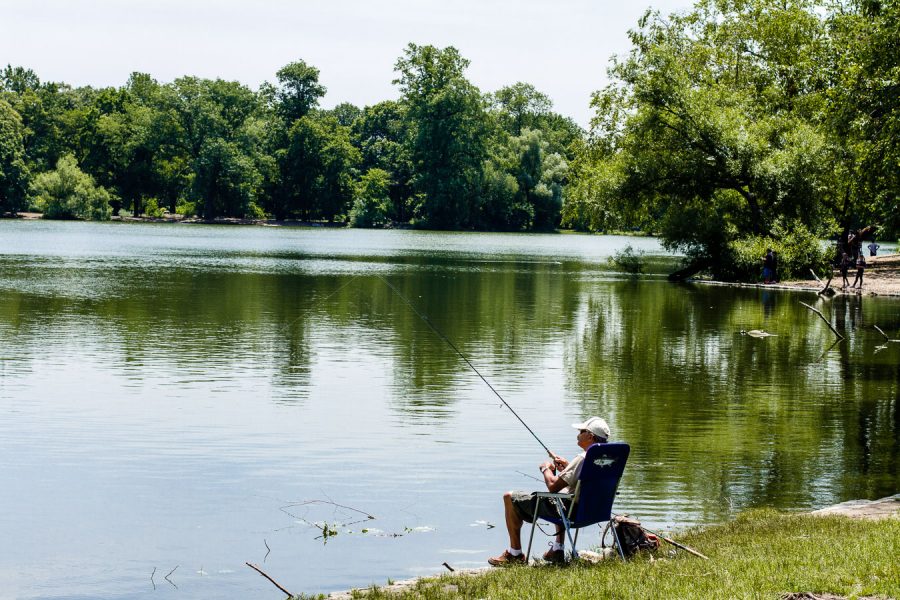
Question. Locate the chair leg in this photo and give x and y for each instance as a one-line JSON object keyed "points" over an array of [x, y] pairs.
{"points": [[618, 543], [537, 506], [562, 514]]}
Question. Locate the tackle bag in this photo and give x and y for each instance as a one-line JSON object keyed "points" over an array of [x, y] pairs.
{"points": [[632, 536]]}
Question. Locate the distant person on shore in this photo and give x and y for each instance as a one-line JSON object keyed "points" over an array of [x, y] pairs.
{"points": [[845, 266], [860, 268], [768, 261], [852, 243], [774, 267], [519, 506], [873, 248]]}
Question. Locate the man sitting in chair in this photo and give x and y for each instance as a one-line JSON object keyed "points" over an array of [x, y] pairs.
{"points": [[560, 475]]}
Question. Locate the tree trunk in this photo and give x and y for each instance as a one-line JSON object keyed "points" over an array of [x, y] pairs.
{"points": [[690, 270]]}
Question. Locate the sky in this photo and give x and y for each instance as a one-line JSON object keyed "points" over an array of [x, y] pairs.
{"points": [[562, 47]]}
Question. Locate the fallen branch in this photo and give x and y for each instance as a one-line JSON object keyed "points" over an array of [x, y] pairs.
{"points": [[885, 335], [826, 289], [275, 583], [827, 322]]}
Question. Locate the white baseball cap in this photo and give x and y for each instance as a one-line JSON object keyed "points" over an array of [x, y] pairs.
{"points": [[595, 425]]}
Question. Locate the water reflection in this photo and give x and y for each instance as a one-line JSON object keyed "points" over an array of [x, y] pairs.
{"points": [[181, 401]]}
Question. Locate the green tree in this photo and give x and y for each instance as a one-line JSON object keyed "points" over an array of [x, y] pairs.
{"points": [[446, 114], [14, 174], [521, 106], [709, 132], [316, 169], [225, 179], [69, 193], [371, 203], [299, 90], [863, 113], [382, 137]]}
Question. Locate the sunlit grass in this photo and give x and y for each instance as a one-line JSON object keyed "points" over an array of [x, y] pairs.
{"points": [[763, 554]]}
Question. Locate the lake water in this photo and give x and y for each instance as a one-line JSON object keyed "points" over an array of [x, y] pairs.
{"points": [[192, 397]]}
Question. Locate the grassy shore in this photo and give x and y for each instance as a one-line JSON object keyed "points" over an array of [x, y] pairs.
{"points": [[762, 554]]}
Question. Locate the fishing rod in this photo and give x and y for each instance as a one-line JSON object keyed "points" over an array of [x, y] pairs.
{"points": [[669, 540], [471, 366]]}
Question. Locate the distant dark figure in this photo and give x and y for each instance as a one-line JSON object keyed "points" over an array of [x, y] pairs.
{"points": [[873, 248], [774, 267], [851, 243], [845, 266], [768, 261], [860, 268]]}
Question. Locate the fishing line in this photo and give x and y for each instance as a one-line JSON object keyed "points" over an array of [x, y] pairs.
{"points": [[462, 356]]}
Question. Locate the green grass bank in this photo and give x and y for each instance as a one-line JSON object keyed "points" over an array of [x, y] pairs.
{"points": [[762, 554]]}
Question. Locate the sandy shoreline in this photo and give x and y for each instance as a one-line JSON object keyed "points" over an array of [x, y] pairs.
{"points": [[882, 278]]}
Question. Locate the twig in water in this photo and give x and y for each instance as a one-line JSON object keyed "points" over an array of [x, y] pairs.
{"points": [[268, 550], [827, 322], [449, 568], [885, 335], [151, 578], [169, 580], [275, 583]]}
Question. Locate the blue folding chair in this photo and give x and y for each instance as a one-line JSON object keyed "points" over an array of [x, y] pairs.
{"points": [[592, 500]]}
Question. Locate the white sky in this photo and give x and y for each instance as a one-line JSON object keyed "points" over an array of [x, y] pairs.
{"points": [[560, 46]]}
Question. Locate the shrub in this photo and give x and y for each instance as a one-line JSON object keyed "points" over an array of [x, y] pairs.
{"points": [[797, 248], [628, 261], [152, 208], [188, 209], [371, 200], [69, 193]]}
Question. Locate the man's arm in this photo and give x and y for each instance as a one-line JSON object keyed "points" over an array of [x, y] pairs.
{"points": [[553, 482]]}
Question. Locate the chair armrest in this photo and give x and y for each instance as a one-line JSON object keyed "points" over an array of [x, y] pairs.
{"points": [[554, 495]]}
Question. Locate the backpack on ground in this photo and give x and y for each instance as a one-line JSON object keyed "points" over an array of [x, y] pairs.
{"points": [[632, 536]]}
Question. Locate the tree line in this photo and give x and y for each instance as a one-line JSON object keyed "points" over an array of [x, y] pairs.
{"points": [[733, 127], [444, 155]]}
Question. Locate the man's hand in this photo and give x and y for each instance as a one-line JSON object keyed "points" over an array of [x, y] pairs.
{"points": [[559, 462]]}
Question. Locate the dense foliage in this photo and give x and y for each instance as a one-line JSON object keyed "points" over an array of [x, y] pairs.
{"points": [[215, 148], [747, 122], [739, 125]]}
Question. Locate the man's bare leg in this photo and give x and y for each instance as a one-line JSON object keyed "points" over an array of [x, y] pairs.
{"points": [[513, 523]]}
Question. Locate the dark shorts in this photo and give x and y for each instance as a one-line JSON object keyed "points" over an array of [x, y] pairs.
{"points": [[523, 503]]}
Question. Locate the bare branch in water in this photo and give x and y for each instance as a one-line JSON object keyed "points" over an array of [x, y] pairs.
{"points": [[151, 578], [827, 322], [170, 572], [275, 583], [268, 550]]}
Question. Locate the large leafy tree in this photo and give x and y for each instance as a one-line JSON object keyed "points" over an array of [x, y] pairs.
{"points": [[863, 112], [709, 132], [446, 115], [317, 168], [14, 174], [382, 136]]}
